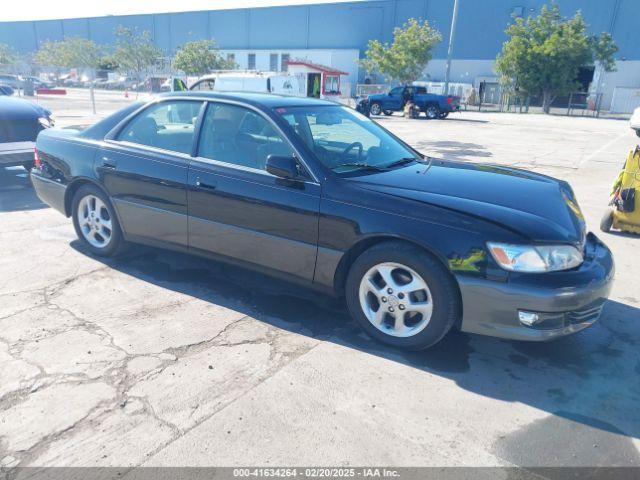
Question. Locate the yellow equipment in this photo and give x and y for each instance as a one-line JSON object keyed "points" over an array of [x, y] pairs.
{"points": [[624, 213]]}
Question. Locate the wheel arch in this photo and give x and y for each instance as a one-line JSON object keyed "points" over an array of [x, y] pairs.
{"points": [[364, 244], [73, 187]]}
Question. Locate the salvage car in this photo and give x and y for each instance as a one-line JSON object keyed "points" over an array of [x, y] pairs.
{"points": [[20, 123], [314, 192]]}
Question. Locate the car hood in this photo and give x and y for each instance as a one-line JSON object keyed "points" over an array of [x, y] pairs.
{"points": [[19, 109], [538, 207]]}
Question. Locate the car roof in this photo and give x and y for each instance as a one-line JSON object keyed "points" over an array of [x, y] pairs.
{"points": [[268, 100]]}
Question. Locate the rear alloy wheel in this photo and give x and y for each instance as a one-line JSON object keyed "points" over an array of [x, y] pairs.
{"points": [[95, 222], [376, 109], [432, 112], [402, 296]]}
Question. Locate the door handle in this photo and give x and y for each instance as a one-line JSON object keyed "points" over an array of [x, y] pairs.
{"points": [[109, 163], [205, 186]]}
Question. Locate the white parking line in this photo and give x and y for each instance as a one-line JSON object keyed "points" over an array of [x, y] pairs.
{"points": [[590, 157]]}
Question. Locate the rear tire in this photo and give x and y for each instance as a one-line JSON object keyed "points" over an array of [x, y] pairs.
{"points": [[95, 221], [607, 220], [443, 115], [414, 307], [388, 113], [432, 111]]}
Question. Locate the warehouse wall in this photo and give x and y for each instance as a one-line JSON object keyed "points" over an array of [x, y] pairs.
{"points": [[326, 26]]}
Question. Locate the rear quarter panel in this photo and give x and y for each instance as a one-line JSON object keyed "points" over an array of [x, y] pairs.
{"points": [[65, 156]]}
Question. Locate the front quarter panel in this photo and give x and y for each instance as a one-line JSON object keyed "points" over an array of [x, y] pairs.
{"points": [[350, 217]]}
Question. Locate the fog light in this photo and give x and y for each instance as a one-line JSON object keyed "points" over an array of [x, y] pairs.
{"points": [[528, 318]]}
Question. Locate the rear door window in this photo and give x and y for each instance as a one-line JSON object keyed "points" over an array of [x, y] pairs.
{"points": [[167, 125]]}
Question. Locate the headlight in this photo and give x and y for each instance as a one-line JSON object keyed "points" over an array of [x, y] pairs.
{"points": [[528, 258], [45, 122]]}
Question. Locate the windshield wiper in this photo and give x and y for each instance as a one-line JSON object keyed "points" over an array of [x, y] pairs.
{"points": [[360, 165], [402, 161]]}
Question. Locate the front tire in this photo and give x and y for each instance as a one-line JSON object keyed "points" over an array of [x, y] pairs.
{"points": [[402, 296], [607, 220], [376, 109], [95, 221]]}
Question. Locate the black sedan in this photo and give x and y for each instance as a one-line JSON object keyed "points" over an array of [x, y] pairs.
{"points": [[20, 123], [319, 194]]}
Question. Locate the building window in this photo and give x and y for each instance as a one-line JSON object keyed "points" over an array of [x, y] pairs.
{"points": [[251, 61], [284, 62], [332, 84], [273, 62]]}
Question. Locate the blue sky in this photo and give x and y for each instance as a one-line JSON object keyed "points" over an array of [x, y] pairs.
{"points": [[50, 9]]}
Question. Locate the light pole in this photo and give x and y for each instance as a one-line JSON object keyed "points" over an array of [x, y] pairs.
{"points": [[452, 34]]}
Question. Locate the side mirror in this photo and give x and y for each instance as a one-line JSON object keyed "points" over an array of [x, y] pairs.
{"points": [[283, 166]]}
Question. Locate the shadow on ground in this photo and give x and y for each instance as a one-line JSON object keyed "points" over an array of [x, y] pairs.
{"points": [[16, 192], [589, 381]]}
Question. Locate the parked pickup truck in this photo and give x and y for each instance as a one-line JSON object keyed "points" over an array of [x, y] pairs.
{"points": [[434, 106]]}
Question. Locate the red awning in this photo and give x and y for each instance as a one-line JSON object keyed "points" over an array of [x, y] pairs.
{"points": [[317, 66]]}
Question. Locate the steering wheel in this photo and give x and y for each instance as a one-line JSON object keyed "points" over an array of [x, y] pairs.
{"points": [[352, 146]]}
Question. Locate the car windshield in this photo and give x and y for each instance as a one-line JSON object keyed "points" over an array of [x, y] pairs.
{"points": [[346, 141]]}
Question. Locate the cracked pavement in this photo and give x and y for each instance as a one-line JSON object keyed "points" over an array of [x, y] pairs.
{"points": [[161, 359]]}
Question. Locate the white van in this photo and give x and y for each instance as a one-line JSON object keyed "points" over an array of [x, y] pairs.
{"points": [[250, 82]]}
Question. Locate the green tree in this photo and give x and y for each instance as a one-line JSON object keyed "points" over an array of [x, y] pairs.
{"points": [[7, 56], [200, 57], [135, 51], [407, 56], [107, 62], [544, 54], [73, 52]]}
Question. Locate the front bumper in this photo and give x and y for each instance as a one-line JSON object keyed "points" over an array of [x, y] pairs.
{"points": [[567, 301], [49, 191]]}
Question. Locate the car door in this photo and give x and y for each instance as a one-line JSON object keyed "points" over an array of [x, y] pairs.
{"points": [[394, 99], [144, 169], [237, 209]]}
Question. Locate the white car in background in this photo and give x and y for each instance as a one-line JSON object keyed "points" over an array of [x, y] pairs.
{"points": [[635, 121]]}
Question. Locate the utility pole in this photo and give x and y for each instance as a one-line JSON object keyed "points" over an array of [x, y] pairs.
{"points": [[452, 34]]}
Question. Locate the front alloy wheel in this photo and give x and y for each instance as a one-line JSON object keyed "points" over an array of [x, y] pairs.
{"points": [[395, 299], [402, 295]]}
